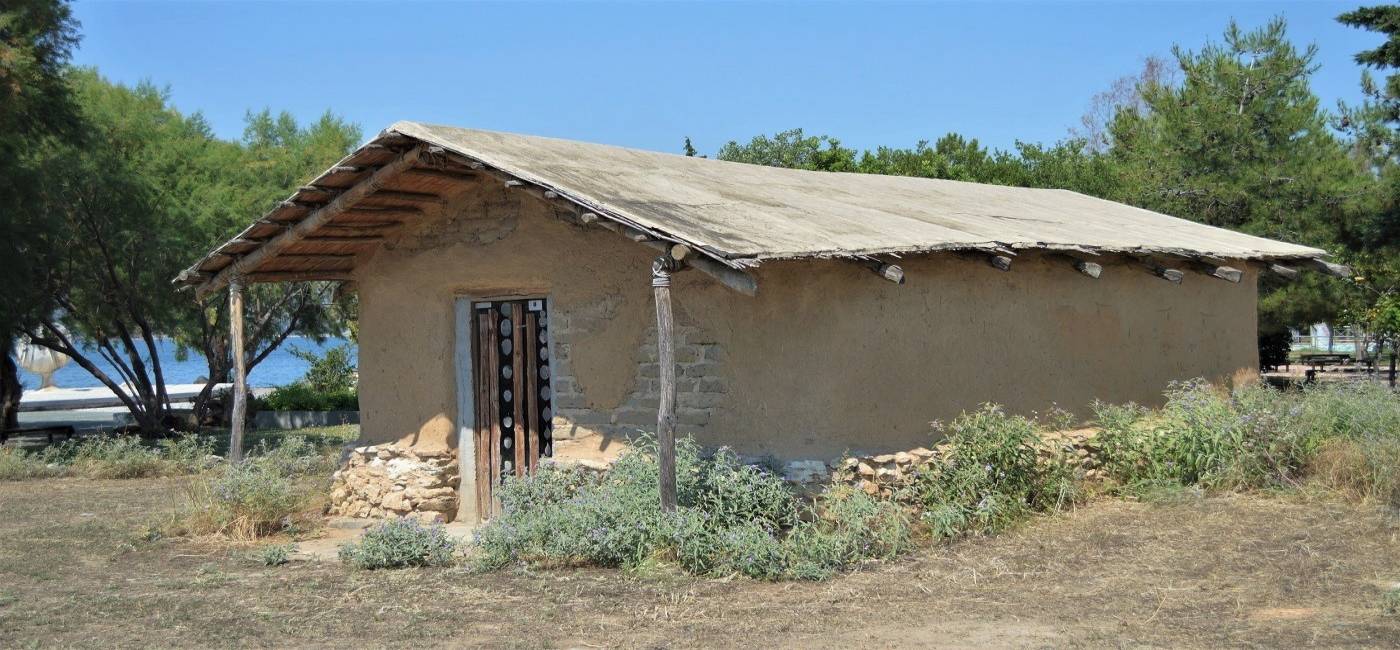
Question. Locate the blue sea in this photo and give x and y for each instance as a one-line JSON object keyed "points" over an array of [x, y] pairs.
{"points": [[278, 369]]}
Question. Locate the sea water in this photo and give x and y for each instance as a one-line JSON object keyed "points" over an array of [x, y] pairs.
{"points": [[278, 369]]}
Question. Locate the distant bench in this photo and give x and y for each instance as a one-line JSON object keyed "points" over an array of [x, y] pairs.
{"points": [[1320, 361], [66, 431]]}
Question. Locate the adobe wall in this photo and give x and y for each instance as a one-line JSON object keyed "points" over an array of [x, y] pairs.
{"points": [[828, 358]]}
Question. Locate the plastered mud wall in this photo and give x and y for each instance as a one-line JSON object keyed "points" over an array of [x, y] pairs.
{"points": [[827, 359]]}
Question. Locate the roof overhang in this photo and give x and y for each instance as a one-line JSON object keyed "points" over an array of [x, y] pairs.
{"points": [[322, 230]]}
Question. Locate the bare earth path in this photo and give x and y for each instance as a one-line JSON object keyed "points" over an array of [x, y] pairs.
{"points": [[1233, 571]]}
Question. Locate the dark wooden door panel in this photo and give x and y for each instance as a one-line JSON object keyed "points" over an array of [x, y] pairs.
{"points": [[511, 372]]}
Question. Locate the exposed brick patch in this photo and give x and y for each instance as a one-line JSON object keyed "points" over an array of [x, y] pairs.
{"points": [[701, 388]]}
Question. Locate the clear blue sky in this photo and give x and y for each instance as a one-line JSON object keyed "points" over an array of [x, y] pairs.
{"points": [[648, 74]]}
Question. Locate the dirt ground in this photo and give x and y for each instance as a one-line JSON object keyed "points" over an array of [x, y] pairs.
{"points": [[1279, 571]]}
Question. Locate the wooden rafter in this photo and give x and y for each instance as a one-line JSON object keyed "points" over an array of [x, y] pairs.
{"points": [[314, 220]]}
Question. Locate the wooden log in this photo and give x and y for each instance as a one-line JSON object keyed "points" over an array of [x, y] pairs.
{"points": [[320, 190], [1091, 269], [240, 371], [514, 183], [329, 239], [363, 225], [315, 220], [732, 278], [444, 174], [1288, 273], [998, 261], [1338, 270], [398, 195], [1226, 273], [386, 210], [892, 272], [587, 218], [679, 252], [661, 270], [338, 275], [1173, 276], [318, 256]]}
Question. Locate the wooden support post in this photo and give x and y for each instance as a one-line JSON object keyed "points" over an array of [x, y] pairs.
{"points": [[240, 379], [732, 278], [661, 271]]}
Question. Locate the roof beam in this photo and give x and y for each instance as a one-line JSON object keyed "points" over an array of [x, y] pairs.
{"points": [[998, 259], [732, 278], [1323, 266], [892, 272], [298, 276], [446, 174], [1209, 267], [314, 220], [1154, 267], [330, 239], [1091, 269], [398, 195], [1285, 272]]}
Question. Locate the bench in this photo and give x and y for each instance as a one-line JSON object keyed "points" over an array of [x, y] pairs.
{"points": [[1320, 361], [66, 431]]}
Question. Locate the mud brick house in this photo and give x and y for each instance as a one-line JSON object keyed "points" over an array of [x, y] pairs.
{"points": [[507, 288]]}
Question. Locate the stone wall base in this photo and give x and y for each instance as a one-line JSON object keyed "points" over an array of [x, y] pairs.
{"points": [[392, 481]]}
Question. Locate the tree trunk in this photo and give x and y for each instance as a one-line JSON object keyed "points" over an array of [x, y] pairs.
{"points": [[10, 388]]}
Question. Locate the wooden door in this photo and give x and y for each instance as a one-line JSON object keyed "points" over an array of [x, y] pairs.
{"points": [[511, 367]]}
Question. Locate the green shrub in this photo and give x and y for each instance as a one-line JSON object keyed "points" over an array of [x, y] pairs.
{"points": [[273, 555], [1347, 436], [1390, 602], [20, 465], [332, 371], [303, 397], [732, 518], [400, 543], [265, 494], [992, 476]]}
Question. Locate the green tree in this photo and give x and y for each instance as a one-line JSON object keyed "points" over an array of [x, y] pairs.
{"points": [[36, 109], [1241, 143], [120, 234], [1374, 129], [794, 150], [276, 154]]}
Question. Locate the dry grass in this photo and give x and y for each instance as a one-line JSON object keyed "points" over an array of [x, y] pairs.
{"points": [[1228, 571]]}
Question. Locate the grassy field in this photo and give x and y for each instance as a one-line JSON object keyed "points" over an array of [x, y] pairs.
{"points": [[77, 569]]}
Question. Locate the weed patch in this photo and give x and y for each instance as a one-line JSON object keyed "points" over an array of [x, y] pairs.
{"points": [[400, 543], [732, 518]]}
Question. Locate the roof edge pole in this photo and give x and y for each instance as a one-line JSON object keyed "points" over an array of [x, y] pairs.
{"points": [[1152, 266], [240, 371], [1336, 270], [1091, 269], [892, 272], [732, 278], [661, 270], [1210, 267], [338, 205]]}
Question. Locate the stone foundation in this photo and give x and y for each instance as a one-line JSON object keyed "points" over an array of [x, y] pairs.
{"points": [[882, 474], [391, 481]]}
